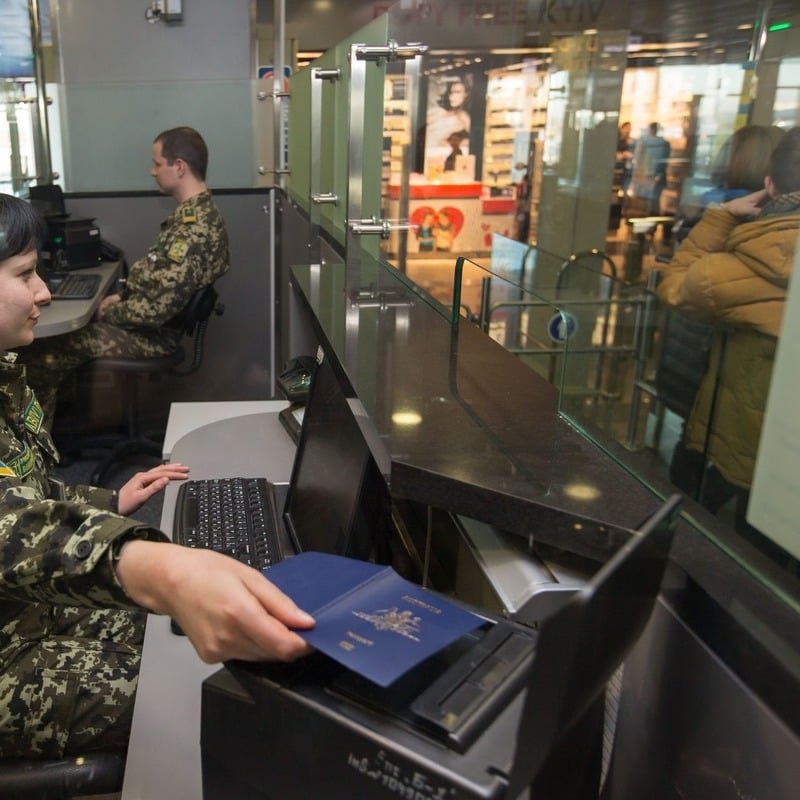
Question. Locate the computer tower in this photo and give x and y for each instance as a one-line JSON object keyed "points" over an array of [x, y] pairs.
{"points": [[74, 243]]}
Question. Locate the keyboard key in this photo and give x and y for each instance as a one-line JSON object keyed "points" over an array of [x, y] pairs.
{"points": [[229, 515], [74, 287]]}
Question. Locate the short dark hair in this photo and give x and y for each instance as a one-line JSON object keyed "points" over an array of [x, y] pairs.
{"points": [[785, 163], [21, 227], [185, 143], [444, 98]]}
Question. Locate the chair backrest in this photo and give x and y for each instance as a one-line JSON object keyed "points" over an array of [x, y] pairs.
{"points": [[85, 776], [582, 644], [193, 321]]}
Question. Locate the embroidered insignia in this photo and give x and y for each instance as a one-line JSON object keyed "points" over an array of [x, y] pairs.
{"points": [[177, 252], [189, 215], [4, 470], [34, 416], [23, 464]]}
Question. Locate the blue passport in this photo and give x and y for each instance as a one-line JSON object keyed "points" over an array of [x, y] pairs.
{"points": [[368, 618]]}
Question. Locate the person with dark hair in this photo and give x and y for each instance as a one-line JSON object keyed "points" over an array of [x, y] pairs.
{"points": [[78, 575], [739, 168], [447, 118], [455, 100], [187, 144], [454, 140], [733, 270], [189, 253], [624, 162]]}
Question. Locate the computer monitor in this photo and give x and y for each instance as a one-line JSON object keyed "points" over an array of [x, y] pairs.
{"points": [[338, 501], [48, 200]]}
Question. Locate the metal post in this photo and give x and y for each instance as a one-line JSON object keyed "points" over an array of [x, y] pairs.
{"points": [[41, 127], [315, 152], [360, 54], [279, 96], [458, 273], [642, 342], [355, 174]]}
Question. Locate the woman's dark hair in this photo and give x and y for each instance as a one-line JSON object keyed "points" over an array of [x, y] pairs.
{"points": [[188, 144], [444, 98], [785, 164], [744, 160], [21, 227]]}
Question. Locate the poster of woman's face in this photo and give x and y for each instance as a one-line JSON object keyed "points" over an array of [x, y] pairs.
{"points": [[448, 120]]}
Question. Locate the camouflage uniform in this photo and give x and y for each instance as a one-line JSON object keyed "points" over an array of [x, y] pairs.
{"points": [[190, 252], [70, 638]]}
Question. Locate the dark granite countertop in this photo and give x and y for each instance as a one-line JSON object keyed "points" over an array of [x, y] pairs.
{"points": [[486, 438]]}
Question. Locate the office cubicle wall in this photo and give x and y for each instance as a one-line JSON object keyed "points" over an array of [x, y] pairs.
{"points": [[236, 364]]}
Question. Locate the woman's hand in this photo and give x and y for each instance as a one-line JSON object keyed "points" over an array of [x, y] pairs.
{"points": [[747, 206], [107, 301], [143, 485], [225, 608]]}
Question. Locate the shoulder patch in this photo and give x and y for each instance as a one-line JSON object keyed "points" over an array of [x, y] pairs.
{"points": [[178, 250], [34, 417], [189, 215], [23, 464], [5, 470]]}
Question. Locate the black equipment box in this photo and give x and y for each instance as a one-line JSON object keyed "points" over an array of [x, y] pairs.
{"points": [[372, 752], [479, 721], [74, 243]]}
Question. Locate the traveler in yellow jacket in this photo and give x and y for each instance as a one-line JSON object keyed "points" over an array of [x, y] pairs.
{"points": [[733, 270]]}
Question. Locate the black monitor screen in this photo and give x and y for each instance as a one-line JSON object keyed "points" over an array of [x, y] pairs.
{"points": [[48, 200], [338, 502]]}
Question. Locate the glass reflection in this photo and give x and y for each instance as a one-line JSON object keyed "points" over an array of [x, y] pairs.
{"points": [[525, 176]]}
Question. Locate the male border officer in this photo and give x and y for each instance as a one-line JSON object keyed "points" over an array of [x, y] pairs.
{"points": [[190, 252]]}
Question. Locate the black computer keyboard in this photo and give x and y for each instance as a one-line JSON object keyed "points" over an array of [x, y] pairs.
{"points": [[74, 287], [229, 515]]}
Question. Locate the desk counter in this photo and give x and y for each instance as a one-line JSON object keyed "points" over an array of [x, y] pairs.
{"points": [[63, 316], [164, 750]]}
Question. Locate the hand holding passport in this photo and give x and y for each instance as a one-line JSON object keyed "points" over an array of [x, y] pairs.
{"points": [[368, 618]]}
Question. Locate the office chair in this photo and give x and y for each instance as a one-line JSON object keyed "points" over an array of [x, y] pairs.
{"points": [[64, 778], [193, 321]]}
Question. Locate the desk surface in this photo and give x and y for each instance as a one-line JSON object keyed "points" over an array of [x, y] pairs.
{"points": [[164, 751], [63, 316], [187, 417]]}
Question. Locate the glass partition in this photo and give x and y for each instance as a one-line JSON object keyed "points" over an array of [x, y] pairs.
{"points": [[101, 120], [495, 159], [18, 167]]}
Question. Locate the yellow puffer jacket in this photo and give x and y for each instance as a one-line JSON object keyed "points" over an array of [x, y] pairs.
{"points": [[734, 275]]}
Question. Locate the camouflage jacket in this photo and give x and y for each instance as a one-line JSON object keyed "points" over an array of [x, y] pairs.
{"points": [[190, 252], [51, 551]]}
